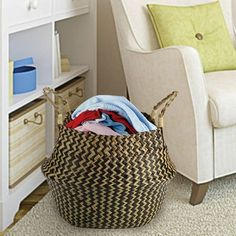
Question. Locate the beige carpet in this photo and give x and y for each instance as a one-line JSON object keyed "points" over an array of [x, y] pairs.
{"points": [[216, 216]]}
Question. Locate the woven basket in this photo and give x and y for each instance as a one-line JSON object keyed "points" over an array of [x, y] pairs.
{"points": [[102, 181]]}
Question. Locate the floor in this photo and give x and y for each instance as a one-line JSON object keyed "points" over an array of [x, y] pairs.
{"points": [[29, 202]]}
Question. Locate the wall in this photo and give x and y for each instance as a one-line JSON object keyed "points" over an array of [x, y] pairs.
{"points": [[111, 79]]}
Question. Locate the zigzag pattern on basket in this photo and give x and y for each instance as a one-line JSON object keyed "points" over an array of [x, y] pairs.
{"points": [[108, 181], [107, 208]]}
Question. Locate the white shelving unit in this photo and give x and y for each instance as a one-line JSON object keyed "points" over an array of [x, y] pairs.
{"points": [[27, 30], [23, 99]]}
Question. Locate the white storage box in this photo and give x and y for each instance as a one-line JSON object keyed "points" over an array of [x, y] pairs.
{"points": [[27, 147]]}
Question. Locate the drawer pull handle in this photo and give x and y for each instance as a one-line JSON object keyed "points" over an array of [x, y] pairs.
{"points": [[79, 93], [33, 4], [36, 115]]}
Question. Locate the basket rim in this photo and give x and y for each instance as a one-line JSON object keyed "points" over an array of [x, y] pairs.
{"points": [[138, 134]]}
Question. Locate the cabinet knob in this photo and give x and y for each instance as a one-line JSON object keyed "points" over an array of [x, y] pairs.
{"points": [[32, 4]]}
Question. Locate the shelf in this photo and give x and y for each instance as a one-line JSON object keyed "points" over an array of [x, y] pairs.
{"points": [[29, 25], [28, 181], [23, 99], [76, 70], [46, 20], [16, 195], [20, 100], [77, 12], [29, 32]]}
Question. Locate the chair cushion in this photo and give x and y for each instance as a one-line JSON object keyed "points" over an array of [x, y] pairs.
{"points": [[221, 88], [175, 25]]}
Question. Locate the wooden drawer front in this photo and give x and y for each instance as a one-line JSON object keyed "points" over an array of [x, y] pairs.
{"points": [[64, 6], [27, 145], [74, 94], [24, 11]]}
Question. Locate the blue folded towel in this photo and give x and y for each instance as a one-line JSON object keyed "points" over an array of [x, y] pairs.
{"points": [[120, 105]]}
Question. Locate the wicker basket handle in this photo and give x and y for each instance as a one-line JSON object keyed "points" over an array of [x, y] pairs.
{"points": [[47, 91], [166, 102]]}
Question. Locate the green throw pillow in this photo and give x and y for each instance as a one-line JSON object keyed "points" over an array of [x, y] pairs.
{"points": [[202, 27]]}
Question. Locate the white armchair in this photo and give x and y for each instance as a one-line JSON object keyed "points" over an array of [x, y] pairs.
{"points": [[200, 129]]}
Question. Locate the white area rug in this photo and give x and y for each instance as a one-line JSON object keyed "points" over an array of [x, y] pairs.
{"points": [[216, 216]]}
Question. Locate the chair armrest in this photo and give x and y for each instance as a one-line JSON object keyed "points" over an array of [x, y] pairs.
{"points": [[150, 76]]}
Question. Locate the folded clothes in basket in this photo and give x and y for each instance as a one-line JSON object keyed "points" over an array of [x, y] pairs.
{"points": [[112, 112], [97, 129]]}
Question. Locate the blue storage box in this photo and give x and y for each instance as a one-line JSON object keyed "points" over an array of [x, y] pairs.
{"points": [[24, 76]]}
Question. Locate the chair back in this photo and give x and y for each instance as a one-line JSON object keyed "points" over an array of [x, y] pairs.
{"points": [[134, 26]]}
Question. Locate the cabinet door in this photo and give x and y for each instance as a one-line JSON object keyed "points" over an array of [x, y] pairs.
{"points": [[63, 6], [24, 11]]}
